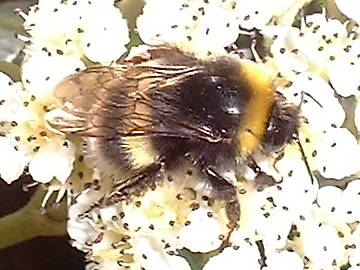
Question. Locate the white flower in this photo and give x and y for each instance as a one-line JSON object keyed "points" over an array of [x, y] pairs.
{"points": [[348, 7], [286, 10], [275, 228], [351, 198], [207, 229], [321, 245], [41, 72], [177, 214], [335, 154], [343, 71], [322, 46], [320, 107], [57, 157], [357, 116], [255, 208], [13, 159], [245, 255], [95, 29], [329, 199], [62, 33], [283, 260], [27, 142], [149, 253], [197, 26], [80, 229], [353, 248], [11, 103], [325, 143], [285, 44], [206, 27], [163, 220], [297, 191]]}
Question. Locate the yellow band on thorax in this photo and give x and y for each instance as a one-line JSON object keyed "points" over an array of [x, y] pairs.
{"points": [[261, 100]]}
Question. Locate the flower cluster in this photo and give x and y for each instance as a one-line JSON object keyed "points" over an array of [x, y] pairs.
{"points": [[206, 27], [75, 37], [303, 221]]}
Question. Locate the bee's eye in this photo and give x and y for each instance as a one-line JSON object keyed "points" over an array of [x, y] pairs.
{"points": [[275, 138], [282, 125]]}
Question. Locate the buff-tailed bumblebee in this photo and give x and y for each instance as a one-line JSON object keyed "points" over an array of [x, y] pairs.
{"points": [[158, 110]]}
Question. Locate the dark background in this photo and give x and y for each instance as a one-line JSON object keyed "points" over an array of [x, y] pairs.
{"points": [[50, 253]]}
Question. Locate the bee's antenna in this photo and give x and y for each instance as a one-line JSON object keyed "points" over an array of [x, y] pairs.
{"points": [[296, 135], [303, 94], [297, 140]]}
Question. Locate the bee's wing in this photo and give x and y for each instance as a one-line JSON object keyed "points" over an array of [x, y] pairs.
{"points": [[85, 101], [119, 101]]}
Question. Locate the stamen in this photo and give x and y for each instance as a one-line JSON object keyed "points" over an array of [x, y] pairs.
{"points": [[20, 13], [26, 187]]}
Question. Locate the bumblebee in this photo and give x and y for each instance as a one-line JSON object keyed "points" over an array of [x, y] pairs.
{"points": [[156, 111]]}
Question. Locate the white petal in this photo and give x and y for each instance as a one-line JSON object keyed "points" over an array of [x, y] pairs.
{"points": [[81, 232], [330, 202], [328, 197], [354, 250], [194, 26], [104, 40], [254, 14], [286, 10], [337, 154], [107, 265], [357, 116], [246, 256], [254, 207], [195, 238], [150, 254], [41, 72], [285, 60], [349, 8], [48, 4], [350, 199], [274, 233], [54, 159], [344, 77], [283, 260], [322, 246], [154, 29], [52, 26], [5, 80], [297, 190], [320, 107], [11, 105], [12, 161], [215, 33]]}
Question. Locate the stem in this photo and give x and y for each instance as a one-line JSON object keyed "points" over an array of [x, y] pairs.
{"points": [[28, 222], [131, 9]]}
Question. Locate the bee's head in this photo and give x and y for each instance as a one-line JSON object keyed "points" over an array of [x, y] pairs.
{"points": [[282, 127]]}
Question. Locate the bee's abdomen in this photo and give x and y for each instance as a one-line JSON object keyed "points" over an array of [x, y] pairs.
{"points": [[115, 156]]}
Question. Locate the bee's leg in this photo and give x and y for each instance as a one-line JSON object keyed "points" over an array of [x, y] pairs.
{"points": [[223, 190], [132, 186], [262, 179]]}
